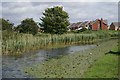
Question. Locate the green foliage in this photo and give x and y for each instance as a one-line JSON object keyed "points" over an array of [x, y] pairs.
{"points": [[14, 42], [6, 34], [106, 67], [28, 26], [55, 20], [6, 24]]}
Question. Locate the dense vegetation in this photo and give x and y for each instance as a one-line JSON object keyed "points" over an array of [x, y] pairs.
{"points": [[55, 20], [27, 26], [16, 43], [6, 24]]}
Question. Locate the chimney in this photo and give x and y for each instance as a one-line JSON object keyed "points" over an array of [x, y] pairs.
{"points": [[101, 19], [101, 23]]}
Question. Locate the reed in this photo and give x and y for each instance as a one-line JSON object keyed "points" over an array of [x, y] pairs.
{"points": [[18, 43]]}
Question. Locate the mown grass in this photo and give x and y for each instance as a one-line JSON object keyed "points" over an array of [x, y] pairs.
{"points": [[74, 65], [106, 67], [18, 43]]}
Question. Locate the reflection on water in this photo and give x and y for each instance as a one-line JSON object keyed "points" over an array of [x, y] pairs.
{"points": [[12, 67]]}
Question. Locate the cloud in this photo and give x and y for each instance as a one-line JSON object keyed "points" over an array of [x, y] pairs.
{"points": [[60, 0], [0, 10], [90, 11], [15, 0], [78, 11], [18, 11]]}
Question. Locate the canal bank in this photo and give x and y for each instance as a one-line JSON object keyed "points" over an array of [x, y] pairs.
{"points": [[72, 65]]}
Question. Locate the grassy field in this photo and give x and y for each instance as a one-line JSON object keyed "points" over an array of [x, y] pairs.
{"points": [[19, 43], [77, 65], [106, 67]]}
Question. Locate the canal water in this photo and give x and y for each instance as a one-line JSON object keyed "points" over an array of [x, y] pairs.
{"points": [[12, 67]]}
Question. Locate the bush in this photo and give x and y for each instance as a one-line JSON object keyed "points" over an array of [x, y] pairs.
{"points": [[6, 24], [28, 26]]}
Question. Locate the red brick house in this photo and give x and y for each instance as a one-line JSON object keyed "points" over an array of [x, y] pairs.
{"points": [[98, 24], [115, 26]]}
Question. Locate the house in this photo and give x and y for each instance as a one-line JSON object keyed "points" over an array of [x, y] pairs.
{"points": [[115, 26], [74, 26], [84, 25], [79, 25], [98, 24]]}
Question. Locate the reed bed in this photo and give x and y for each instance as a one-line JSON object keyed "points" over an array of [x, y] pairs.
{"points": [[18, 43]]}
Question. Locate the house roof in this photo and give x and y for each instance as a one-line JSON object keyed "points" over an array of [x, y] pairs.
{"points": [[86, 22], [91, 22], [104, 21], [116, 23], [83, 24], [79, 24], [75, 25], [71, 24]]}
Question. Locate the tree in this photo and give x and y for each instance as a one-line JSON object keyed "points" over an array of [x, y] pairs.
{"points": [[55, 20], [6, 25], [28, 26]]}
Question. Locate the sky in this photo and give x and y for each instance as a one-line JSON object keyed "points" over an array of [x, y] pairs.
{"points": [[78, 11]]}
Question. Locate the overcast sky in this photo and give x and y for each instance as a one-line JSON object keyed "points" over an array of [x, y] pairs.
{"points": [[78, 11]]}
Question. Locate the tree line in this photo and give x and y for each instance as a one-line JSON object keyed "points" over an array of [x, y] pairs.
{"points": [[54, 21]]}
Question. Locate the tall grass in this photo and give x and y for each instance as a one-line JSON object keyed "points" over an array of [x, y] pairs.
{"points": [[18, 43], [0, 42]]}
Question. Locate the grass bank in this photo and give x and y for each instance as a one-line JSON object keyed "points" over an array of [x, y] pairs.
{"points": [[74, 65], [106, 67], [18, 43]]}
